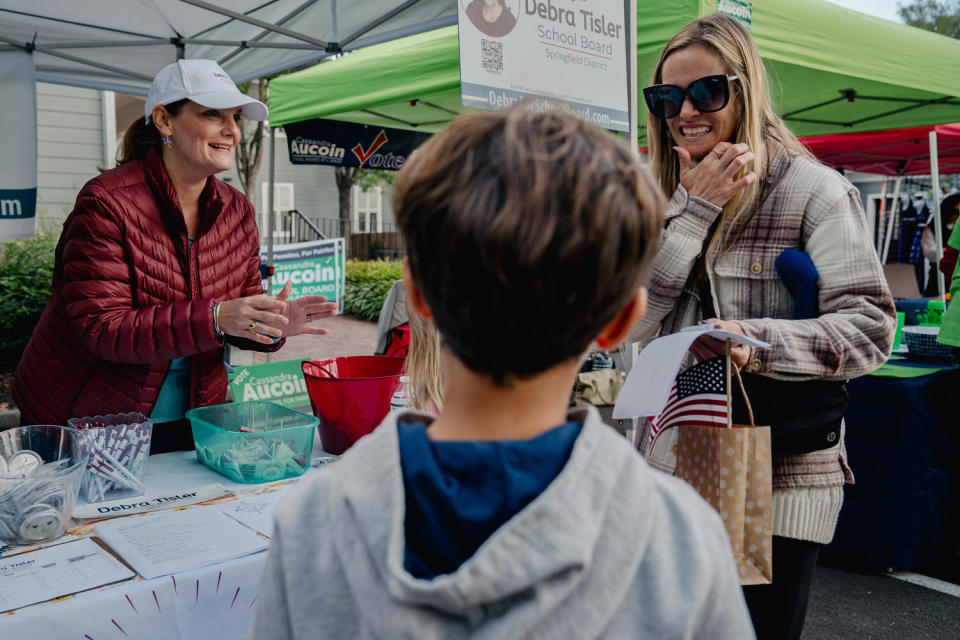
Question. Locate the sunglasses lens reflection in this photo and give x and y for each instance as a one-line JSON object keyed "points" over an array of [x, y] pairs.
{"points": [[707, 95], [664, 101]]}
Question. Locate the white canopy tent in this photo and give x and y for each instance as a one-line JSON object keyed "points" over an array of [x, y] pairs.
{"points": [[120, 45]]}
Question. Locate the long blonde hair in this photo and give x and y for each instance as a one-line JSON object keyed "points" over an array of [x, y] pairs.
{"points": [[424, 364], [763, 131]]}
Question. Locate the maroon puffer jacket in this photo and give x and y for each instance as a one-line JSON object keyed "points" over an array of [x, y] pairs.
{"points": [[129, 295]]}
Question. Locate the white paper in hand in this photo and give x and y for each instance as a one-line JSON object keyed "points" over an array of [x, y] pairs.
{"points": [[647, 386]]}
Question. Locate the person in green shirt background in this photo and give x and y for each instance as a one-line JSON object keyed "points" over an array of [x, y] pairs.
{"points": [[950, 327]]}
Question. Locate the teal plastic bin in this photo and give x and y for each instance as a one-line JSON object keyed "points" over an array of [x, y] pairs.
{"points": [[253, 442]]}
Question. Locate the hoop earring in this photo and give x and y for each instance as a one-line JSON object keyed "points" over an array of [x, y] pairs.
{"points": [[167, 141]]}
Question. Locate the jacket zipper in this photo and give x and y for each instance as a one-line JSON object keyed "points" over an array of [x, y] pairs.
{"points": [[193, 285]]}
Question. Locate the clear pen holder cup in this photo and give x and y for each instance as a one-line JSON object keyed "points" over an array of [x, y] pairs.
{"points": [[119, 449], [40, 470]]}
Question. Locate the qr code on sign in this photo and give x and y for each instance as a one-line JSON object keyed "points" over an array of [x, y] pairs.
{"points": [[491, 55]]}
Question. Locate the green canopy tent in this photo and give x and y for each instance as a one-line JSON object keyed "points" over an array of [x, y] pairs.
{"points": [[833, 70]]}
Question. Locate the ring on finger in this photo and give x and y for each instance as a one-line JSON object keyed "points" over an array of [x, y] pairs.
{"points": [[252, 325], [308, 318], [718, 153]]}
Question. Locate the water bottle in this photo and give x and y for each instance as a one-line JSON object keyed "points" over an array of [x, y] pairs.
{"points": [[401, 397]]}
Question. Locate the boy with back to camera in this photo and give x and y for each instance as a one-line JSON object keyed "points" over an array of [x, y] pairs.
{"points": [[508, 516]]}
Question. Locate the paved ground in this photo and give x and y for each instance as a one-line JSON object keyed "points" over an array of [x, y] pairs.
{"points": [[852, 606]]}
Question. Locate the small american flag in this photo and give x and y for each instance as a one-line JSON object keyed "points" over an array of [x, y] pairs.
{"points": [[698, 397]]}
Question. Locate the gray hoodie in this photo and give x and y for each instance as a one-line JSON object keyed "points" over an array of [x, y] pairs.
{"points": [[611, 549]]}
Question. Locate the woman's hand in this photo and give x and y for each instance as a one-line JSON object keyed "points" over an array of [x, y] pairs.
{"points": [[714, 178], [305, 310], [259, 318], [706, 347]]}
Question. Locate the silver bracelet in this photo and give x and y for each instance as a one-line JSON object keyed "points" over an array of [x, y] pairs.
{"points": [[216, 320]]}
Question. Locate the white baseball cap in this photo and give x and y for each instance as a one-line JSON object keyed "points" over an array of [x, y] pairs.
{"points": [[204, 82]]}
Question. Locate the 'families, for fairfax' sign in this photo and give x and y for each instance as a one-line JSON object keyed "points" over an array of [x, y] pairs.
{"points": [[570, 55], [312, 268]]}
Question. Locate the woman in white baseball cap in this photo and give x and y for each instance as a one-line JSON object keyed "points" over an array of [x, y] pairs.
{"points": [[157, 267]]}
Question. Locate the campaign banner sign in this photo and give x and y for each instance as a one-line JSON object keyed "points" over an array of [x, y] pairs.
{"points": [[742, 11], [18, 145], [566, 55], [312, 268], [280, 382], [345, 144]]}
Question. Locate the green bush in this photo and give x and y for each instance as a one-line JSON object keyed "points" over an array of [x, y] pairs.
{"points": [[366, 285], [26, 269]]}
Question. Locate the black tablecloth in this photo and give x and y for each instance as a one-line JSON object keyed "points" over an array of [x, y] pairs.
{"points": [[903, 443]]}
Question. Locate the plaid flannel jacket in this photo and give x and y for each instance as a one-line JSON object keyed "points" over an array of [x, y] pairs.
{"points": [[806, 206]]}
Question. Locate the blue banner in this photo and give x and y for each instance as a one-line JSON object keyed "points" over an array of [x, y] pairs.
{"points": [[17, 203], [345, 144]]}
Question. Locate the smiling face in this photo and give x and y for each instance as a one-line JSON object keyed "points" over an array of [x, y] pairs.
{"points": [[699, 132], [203, 139]]}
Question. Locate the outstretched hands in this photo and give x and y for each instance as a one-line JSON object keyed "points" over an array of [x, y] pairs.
{"points": [[259, 318], [715, 179], [302, 311], [264, 318]]}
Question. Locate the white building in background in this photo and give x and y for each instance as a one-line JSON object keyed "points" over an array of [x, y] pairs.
{"points": [[78, 130], [75, 135], [871, 186]]}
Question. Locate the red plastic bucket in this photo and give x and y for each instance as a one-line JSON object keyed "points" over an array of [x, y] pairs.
{"points": [[350, 395]]}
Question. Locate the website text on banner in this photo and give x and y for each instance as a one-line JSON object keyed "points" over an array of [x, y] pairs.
{"points": [[313, 269], [569, 55]]}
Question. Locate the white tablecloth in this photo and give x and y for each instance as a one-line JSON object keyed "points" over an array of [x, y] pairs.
{"points": [[187, 606], [208, 603]]}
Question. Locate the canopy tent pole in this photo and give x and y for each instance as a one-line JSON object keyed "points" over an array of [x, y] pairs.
{"points": [[881, 227], [937, 231], [263, 34], [376, 23], [77, 59], [892, 218], [629, 351], [270, 213], [154, 42], [257, 22], [633, 139]]}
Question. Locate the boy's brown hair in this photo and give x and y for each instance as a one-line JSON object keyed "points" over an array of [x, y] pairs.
{"points": [[526, 233]]}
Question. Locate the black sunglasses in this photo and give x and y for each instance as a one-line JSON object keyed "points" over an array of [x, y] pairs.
{"points": [[707, 94]]}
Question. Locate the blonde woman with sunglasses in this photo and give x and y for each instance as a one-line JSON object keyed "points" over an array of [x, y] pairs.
{"points": [[744, 190]]}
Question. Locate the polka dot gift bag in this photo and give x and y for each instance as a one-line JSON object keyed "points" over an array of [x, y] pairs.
{"points": [[730, 467]]}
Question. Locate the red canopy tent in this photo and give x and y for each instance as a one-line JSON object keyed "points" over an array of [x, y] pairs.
{"points": [[895, 152]]}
